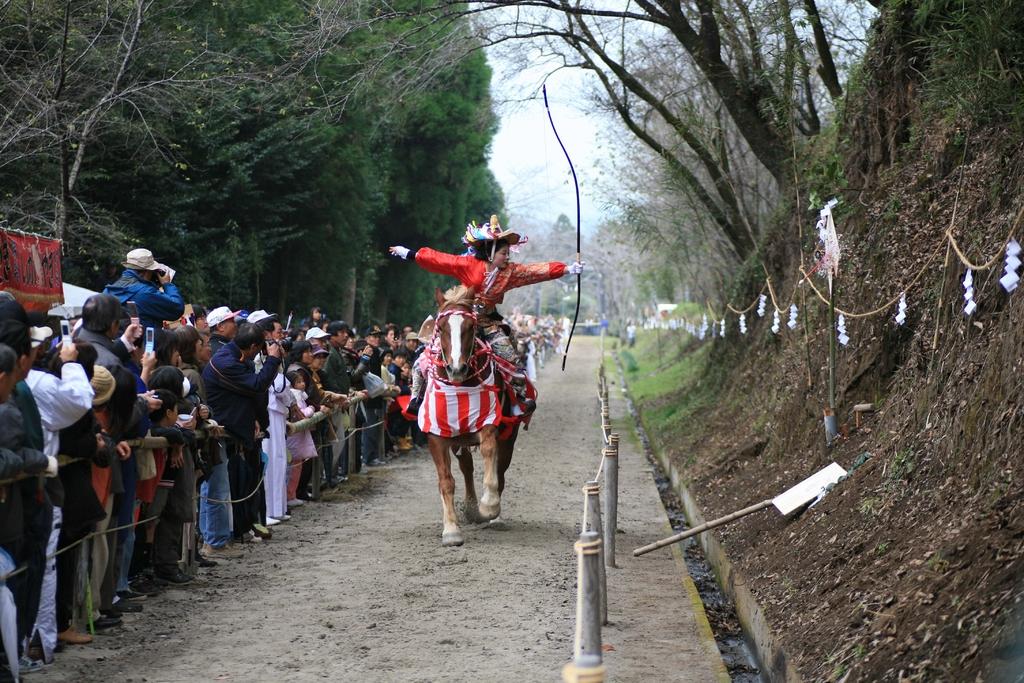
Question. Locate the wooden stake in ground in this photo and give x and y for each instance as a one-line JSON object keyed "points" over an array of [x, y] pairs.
{"points": [[786, 502]]}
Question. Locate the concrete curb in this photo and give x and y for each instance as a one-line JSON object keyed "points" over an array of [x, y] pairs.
{"points": [[775, 663], [704, 631]]}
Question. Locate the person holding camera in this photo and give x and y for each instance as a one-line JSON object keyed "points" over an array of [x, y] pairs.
{"points": [[237, 396], [148, 284]]}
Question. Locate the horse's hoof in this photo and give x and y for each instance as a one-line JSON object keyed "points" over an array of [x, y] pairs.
{"points": [[489, 512], [497, 524], [469, 509], [451, 539]]}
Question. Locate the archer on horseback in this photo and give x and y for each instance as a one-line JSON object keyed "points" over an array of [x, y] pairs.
{"points": [[487, 269]]}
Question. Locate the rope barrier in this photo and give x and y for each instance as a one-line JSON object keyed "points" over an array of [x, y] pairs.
{"points": [[85, 538]]}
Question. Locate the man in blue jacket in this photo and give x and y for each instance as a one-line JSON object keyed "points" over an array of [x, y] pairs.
{"points": [[148, 284], [234, 393]]}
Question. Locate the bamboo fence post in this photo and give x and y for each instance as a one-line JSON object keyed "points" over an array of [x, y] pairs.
{"points": [[592, 522], [318, 470], [611, 497], [82, 619], [586, 665], [353, 456]]}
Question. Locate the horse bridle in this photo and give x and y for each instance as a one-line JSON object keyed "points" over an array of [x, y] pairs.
{"points": [[439, 360]]}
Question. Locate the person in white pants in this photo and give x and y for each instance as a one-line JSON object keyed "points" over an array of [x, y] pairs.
{"points": [[275, 485], [62, 402]]}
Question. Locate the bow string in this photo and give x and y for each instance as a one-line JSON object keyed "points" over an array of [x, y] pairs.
{"points": [[576, 185]]}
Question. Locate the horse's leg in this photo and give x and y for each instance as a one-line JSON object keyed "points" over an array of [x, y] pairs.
{"points": [[440, 452], [465, 456], [505, 449], [490, 502]]}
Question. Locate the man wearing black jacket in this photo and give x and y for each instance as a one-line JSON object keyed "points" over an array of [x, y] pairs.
{"points": [[236, 395], [372, 409]]}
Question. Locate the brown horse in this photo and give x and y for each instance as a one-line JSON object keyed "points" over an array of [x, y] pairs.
{"points": [[464, 364]]}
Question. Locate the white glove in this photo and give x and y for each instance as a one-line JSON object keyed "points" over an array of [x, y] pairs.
{"points": [[400, 252], [576, 267], [51, 466]]}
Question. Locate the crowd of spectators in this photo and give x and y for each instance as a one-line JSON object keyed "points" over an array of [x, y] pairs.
{"points": [[150, 420]]}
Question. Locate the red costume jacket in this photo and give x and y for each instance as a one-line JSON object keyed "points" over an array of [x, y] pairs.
{"points": [[472, 272]]}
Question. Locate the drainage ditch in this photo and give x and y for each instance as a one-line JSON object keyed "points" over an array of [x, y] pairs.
{"points": [[736, 652]]}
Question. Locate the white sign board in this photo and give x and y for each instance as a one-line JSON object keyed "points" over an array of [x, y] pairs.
{"points": [[808, 489]]}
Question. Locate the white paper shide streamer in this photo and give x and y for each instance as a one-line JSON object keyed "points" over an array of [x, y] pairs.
{"points": [[792, 317], [762, 303], [829, 264], [722, 325], [775, 322], [743, 323], [969, 304], [1010, 279], [843, 338], [901, 310]]}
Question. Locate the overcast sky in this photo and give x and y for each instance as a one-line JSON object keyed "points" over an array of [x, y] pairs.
{"points": [[525, 155]]}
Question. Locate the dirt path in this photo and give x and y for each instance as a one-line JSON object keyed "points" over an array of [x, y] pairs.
{"points": [[360, 589]]}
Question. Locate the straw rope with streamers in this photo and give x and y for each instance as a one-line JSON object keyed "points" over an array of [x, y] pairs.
{"points": [[947, 241], [751, 307]]}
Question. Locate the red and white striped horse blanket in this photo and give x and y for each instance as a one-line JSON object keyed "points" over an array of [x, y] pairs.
{"points": [[450, 410]]}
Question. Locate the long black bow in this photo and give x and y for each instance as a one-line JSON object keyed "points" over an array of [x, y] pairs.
{"points": [[579, 276]]}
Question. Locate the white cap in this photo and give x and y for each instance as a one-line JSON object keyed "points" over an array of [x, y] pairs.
{"points": [[219, 315], [316, 333], [257, 316]]}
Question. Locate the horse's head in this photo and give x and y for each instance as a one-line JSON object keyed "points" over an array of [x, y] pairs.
{"points": [[456, 331]]}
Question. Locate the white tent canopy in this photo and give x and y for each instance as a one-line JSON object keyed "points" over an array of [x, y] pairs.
{"points": [[74, 299]]}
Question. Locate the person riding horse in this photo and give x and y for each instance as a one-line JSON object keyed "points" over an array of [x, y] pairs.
{"points": [[486, 268]]}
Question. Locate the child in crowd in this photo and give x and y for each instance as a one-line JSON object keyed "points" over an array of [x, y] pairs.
{"points": [[300, 444]]}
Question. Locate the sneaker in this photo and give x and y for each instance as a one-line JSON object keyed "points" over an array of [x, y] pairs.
{"points": [[285, 517], [73, 637], [376, 463], [27, 665], [106, 622], [125, 607], [228, 551], [177, 578], [261, 531], [295, 502], [130, 595], [205, 562], [271, 521]]}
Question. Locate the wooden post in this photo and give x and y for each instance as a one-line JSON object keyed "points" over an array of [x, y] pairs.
{"points": [[702, 528], [831, 429], [592, 522], [81, 617], [353, 456], [606, 421], [586, 665], [318, 471], [611, 498], [188, 536]]}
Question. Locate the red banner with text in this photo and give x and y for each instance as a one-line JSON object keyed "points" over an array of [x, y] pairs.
{"points": [[30, 269]]}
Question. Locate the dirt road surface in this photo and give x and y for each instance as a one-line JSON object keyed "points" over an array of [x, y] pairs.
{"points": [[358, 588]]}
